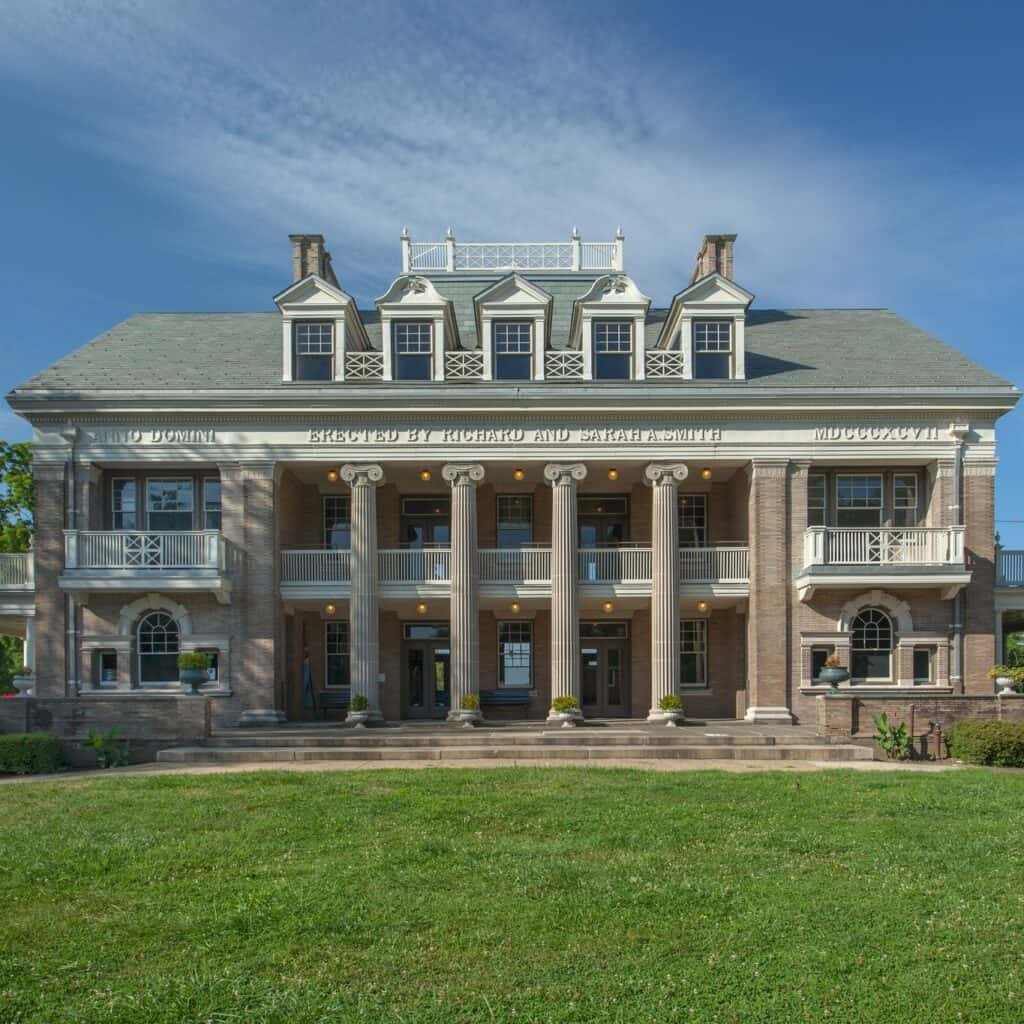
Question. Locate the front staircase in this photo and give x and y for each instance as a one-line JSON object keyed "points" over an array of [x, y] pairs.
{"points": [[518, 741]]}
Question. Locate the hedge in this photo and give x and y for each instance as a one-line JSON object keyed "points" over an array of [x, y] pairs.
{"points": [[987, 742], [30, 753]]}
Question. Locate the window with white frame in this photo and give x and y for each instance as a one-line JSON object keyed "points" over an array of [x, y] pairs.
{"points": [[613, 347], [169, 504], [904, 499], [158, 646], [124, 503], [515, 520], [337, 654], [513, 347], [314, 350], [211, 503], [871, 646], [693, 520], [859, 500], [413, 349], [515, 653], [817, 499], [337, 521], [712, 349], [693, 657]]}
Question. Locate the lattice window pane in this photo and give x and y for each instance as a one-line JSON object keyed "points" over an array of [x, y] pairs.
{"points": [[712, 336], [613, 337], [515, 653], [314, 339]]}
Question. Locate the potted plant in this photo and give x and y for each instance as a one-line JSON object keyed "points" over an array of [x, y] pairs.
{"points": [[833, 672], [565, 710], [1004, 677], [358, 711], [670, 711], [193, 670], [24, 680], [469, 713]]}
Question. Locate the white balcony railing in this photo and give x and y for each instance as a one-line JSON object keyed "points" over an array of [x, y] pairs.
{"points": [[714, 565], [563, 364], [615, 565], [515, 565], [451, 256], [1009, 568], [17, 570], [464, 365], [364, 365], [414, 565], [662, 364], [315, 565], [890, 546], [122, 549]]}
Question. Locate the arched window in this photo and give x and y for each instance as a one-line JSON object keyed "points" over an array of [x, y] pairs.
{"points": [[158, 650], [872, 645]]}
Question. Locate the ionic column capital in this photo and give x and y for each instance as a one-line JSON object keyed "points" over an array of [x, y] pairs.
{"points": [[673, 473], [559, 472], [367, 474], [462, 473]]}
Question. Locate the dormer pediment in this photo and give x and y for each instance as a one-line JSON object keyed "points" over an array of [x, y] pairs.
{"points": [[410, 290], [312, 292], [313, 298], [513, 291], [614, 295], [715, 290]]}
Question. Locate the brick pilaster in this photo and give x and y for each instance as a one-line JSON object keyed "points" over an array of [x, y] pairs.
{"points": [[51, 668], [978, 599]]}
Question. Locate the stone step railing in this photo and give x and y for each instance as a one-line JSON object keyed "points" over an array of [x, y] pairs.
{"points": [[889, 546], [17, 571], [137, 550]]}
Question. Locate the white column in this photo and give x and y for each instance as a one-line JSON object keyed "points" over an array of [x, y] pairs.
{"points": [[465, 604], [28, 649], [362, 606], [664, 478], [565, 627]]}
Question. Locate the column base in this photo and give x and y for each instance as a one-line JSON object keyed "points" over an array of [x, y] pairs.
{"points": [[261, 716], [778, 716]]}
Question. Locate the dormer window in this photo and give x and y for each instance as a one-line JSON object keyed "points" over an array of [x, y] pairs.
{"points": [[712, 349], [513, 349], [613, 349], [314, 350], [413, 348]]}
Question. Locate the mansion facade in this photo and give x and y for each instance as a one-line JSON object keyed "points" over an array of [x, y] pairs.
{"points": [[513, 478]]}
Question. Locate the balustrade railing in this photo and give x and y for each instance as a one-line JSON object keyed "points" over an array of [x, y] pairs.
{"points": [[450, 255], [1009, 568], [364, 365], [563, 364], [515, 565], [714, 565], [888, 546], [414, 565], [17, 570], [467, 365], [123, 549], [615, 565], [662, 364], [315, 565]]}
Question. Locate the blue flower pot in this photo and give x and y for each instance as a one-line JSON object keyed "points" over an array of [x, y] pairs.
{"points": [[833, 676]]}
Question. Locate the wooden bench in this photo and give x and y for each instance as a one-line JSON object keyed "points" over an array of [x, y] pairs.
{"points": [[504, 698], [332, 700]]}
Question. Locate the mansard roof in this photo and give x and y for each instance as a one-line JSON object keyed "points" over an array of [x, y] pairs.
{"points": [[803, 348]]}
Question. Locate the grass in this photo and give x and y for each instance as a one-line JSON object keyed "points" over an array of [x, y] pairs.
{"points": [[581, 895]]}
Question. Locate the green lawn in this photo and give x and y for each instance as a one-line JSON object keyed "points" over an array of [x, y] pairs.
{"points": [[514, 895]]}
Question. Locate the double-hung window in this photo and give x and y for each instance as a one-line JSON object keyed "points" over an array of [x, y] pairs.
{"points": [[314, 350], [693, 520], [413, 348], [613, 349], [817, 499], [125, 504], [336, 653], [693, 656], [515, 653], [515, 520], [712, 349], [859, 501], [169, 504], [211, 503], [904, 499], [337, 521], [512, 349]]}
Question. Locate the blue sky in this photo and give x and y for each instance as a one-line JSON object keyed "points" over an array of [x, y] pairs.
{"points": [[157, 155]]}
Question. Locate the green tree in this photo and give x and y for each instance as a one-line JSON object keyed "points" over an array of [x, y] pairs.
{"points": [[17, 503]]}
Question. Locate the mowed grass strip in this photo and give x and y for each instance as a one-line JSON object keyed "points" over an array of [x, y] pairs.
{"points": [[514, 895]]}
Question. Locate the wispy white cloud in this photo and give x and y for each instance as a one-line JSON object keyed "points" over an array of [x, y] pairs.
{"points": [[509, 123]]}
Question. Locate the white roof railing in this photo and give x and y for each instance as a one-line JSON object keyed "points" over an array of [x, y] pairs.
{"points": [[449, 256]]}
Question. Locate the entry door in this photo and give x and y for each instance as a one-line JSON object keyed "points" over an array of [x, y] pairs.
{"points": [[604, 677], [427, 680]]}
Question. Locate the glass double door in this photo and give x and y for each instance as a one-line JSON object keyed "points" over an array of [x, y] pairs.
{"points": [[604, 677], [427, 675]]}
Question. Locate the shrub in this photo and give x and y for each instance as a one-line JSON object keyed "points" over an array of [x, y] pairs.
{"points": [[359, 702], [564, 704], [111, 749], [893, 739], [670, 703], [194, 659], [470, 702], [987, 742], [30, 753]]}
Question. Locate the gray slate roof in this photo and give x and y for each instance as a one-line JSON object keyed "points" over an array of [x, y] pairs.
{"points": [[813, 348]]}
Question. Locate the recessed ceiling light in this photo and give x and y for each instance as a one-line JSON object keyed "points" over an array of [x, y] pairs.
{"points": [[425, 474], [705, 473], [332, 475]]}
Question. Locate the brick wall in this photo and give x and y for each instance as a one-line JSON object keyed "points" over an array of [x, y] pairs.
{"points": [[979, 610], [640, 667], [49, 562]]}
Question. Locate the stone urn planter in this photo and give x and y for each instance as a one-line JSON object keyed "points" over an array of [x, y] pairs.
{"points": [[192, 679], [565, 719], [833, 676], [357, 719], [1005, 684], [468, 718], [24, 684], [669, 718]]}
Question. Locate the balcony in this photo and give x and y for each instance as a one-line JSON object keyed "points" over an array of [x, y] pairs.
{"points": [[126, 560], [892, 557], [17, 591], [1009, 568], [17, 572]]}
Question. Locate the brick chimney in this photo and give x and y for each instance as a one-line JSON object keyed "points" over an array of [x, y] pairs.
{"points": [[310, 256], [715, 256]]}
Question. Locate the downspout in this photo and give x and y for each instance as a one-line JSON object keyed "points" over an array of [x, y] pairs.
{"points": [[958, 431], [70, 434]]}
